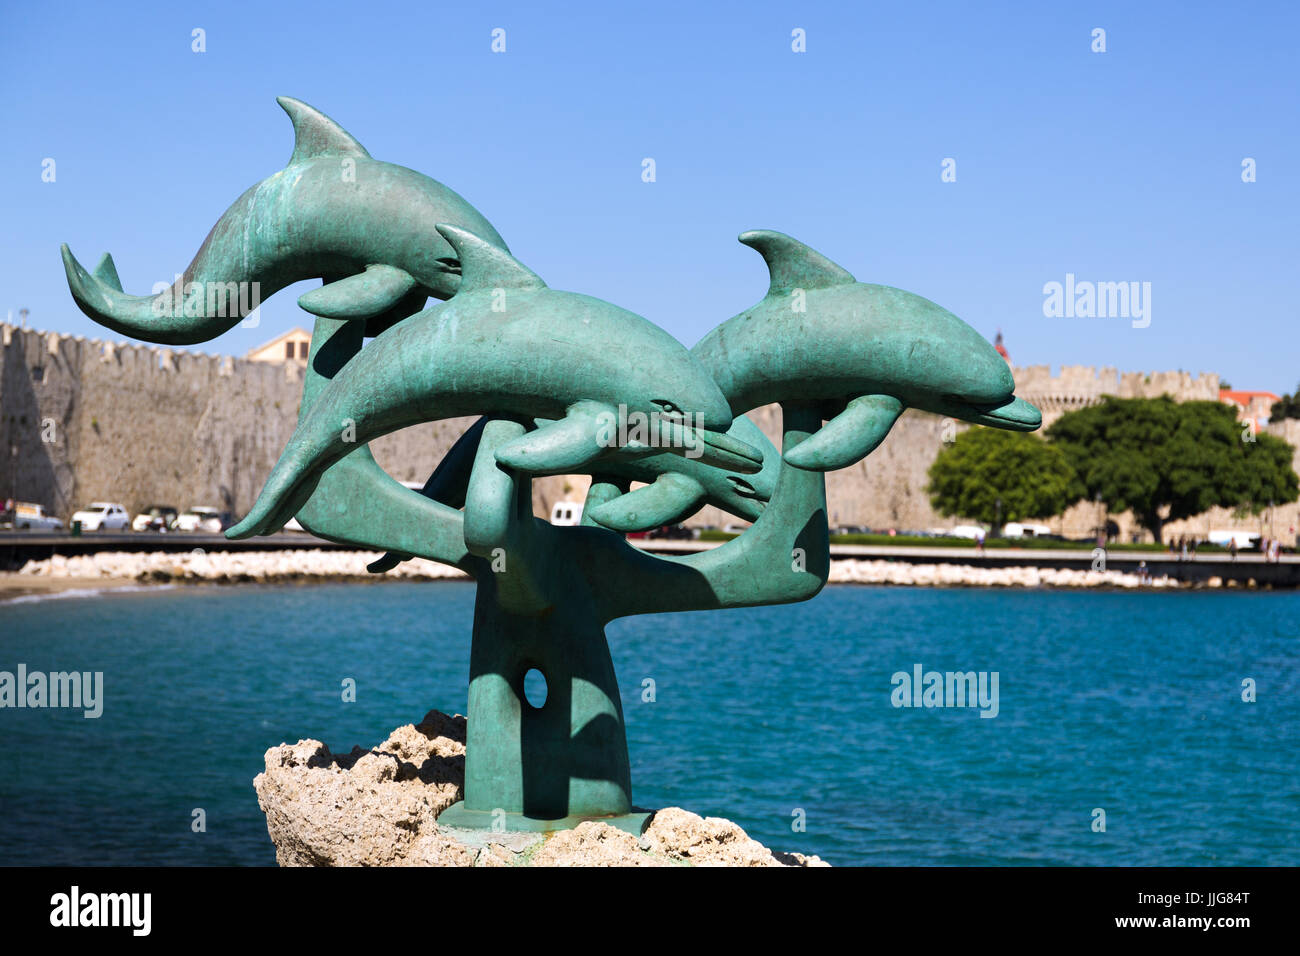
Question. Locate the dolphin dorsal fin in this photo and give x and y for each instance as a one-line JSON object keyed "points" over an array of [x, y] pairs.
{"points": [[485, 266], [793, 265], [315, 134], [106, 272]]}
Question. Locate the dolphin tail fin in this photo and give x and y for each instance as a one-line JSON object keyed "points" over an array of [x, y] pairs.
{"points": [[850, 436], [99, 294]]}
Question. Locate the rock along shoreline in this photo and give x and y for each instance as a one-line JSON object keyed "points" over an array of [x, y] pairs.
{"points": [[283, 567], [380, 807]]}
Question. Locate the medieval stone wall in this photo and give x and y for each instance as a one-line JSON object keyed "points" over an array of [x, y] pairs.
{"points": [[84, 420]]}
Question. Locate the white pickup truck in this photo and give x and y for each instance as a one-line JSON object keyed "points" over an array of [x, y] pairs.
{"points": [[25, 515]]}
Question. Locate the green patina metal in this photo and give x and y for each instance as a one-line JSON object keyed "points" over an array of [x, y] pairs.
{"points": [[565, 384]]}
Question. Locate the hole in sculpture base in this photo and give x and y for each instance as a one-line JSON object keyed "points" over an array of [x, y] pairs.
{"points": [[535, 688]]}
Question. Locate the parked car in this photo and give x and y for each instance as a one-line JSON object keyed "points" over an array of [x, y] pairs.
{"points": [[28, 516], [102, 516], [203, 518], [155, 518], [672, 532], [1024, 529]]}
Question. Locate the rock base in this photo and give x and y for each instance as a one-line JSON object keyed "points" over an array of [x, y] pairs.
{"points": [[380, 807]]}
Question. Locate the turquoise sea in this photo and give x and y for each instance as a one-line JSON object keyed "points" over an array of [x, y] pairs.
{"points": [[1127, 702]]}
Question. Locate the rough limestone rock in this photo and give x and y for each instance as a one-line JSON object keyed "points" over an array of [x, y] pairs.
{"points": [[380, 807]]}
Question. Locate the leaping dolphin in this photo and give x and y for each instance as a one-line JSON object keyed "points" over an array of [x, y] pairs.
{"points": [[506, 344], [865, 352], [366, 226]]}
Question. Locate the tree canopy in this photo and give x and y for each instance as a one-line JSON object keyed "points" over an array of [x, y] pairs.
{"points": [[1288, 406], [1150, 454], [1032, 478]]}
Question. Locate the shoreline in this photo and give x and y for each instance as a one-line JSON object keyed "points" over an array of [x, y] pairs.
{"points": [[117, 572]]}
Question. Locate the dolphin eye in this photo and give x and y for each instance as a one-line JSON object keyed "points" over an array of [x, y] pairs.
{"points": [[667, 407]]}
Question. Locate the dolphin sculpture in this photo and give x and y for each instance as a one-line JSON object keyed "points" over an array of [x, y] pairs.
{"points": [[366, 226], [507, 344], [864, 352]]}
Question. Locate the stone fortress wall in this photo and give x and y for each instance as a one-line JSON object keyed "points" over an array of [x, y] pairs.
{"points": [[84, 420]]}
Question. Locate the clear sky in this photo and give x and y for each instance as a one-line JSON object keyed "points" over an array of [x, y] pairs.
{"points": [[1117, 166]]}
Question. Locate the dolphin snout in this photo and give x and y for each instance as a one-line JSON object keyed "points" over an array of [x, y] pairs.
{"points": [[1015, 414], [716, 449]]}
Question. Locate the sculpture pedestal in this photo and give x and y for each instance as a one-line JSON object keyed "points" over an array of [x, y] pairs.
{"points": [[554, 766]]}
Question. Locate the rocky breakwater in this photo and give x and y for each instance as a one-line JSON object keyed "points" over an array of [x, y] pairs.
{"points": [[379, 807], [228, 567], [235, 567], [965, 575]]}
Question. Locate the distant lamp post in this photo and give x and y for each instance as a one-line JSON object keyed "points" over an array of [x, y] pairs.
{"points": [[997, 516], [22, 317]]}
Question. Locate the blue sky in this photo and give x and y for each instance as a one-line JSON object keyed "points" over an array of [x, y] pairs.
{"points": [[1115, 166]]}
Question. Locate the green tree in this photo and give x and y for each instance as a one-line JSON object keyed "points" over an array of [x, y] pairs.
{"points": [[1030, 477], [1288, 406], [1169, 460]]}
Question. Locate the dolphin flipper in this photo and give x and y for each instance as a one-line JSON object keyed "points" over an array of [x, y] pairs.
{"points": [[850, 436], [360, 296], [562, 446], [670, 498]]}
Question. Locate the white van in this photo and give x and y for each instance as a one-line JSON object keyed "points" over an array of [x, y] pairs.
{"points": [[1244, 539], [566, 513]]}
